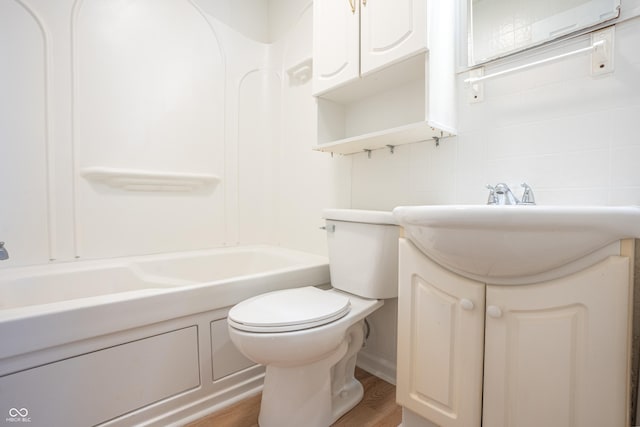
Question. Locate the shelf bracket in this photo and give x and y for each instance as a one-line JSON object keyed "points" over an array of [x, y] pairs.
{"points": [[391, 148], [368, 153]]}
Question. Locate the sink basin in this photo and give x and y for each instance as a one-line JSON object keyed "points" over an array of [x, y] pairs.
{"points": [[504, 244]]}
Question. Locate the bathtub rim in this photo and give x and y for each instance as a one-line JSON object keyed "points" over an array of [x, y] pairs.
{"points": [[136, 266], [75, 320]]}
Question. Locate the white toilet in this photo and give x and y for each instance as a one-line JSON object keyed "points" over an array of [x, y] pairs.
{"points": [[308, 338]]}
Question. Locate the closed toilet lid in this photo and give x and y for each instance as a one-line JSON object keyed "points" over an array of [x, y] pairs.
{"points": [[289, 310]]}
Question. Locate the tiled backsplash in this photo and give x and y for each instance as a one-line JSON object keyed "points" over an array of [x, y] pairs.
{"points": [[574, 138]]}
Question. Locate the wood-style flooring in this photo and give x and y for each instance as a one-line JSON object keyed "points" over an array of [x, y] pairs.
{"points": [[378, 408]]}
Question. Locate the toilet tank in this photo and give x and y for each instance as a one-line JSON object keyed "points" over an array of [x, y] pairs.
{"points": [[363, 252]]}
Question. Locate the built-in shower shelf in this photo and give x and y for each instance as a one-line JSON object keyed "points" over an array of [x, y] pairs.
{"points": [[143, 180]]}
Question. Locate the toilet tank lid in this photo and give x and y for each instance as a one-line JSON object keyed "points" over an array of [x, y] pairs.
{"points": [[360, 215]]}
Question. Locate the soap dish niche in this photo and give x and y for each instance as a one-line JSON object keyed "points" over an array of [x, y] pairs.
{"points": [[301, 72]]}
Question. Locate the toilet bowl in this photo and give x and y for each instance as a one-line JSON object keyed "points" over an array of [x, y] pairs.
{"points": [[308, 338]]}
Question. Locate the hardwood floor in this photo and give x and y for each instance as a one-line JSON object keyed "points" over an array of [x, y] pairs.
{"points": [[378, 408]]}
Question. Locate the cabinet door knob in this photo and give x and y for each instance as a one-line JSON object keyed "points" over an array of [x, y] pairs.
{"points": [[494, 311], [466, 304]]}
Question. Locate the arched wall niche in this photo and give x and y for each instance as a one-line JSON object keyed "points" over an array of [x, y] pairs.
{"points": [[24, 166], [148, 97]]}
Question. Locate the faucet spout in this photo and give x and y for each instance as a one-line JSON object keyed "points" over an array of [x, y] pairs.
{"points": [[504, 195], [4, 254]]}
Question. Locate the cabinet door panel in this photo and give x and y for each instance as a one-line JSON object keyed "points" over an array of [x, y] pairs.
{"points": [[561, 346], [336, 44], [390, 31], [440, 341]]}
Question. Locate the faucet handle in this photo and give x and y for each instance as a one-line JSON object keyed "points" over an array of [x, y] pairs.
{"points": [[492, 200], [4, 254], [527, 195]]}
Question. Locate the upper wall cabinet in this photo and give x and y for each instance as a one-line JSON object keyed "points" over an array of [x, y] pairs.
{"points": [[379, 77], [336, 44], [352, 38], [390, 31]]}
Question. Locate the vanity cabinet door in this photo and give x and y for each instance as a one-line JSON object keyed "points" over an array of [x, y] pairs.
{"points": [[391, 31], [336, 43], [556, 352], [440, 341]]}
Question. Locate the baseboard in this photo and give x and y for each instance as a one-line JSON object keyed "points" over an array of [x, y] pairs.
{"points": [[381, 368], [191, 406]]}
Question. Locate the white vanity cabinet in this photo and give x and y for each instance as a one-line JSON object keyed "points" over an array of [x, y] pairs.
{"points": [[551, 354], [353, 37], [440, 341], [378, 77]]}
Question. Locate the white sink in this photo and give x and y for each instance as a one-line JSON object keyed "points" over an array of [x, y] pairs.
{"points": [[504, 244]]}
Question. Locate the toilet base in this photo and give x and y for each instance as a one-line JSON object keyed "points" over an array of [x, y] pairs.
{"points": [[349, 397], [313, 395]]}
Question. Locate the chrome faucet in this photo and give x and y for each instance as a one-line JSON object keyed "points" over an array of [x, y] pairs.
{"points": [[527, 195], [4, 254], [501, 194]]}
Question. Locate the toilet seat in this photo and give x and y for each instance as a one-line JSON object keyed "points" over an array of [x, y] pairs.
{"points": [[289, 310]]}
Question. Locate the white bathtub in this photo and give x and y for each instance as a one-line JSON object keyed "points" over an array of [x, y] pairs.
{"points": [[134, 341]]}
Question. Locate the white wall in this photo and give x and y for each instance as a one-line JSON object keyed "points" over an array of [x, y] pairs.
{"points": [[308, 181], [247, 17], [149, 85], [84, 89], [25, 220], [170, 86], [573, 138]]}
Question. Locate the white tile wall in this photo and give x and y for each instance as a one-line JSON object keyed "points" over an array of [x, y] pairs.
{"points": [[574, 138]]}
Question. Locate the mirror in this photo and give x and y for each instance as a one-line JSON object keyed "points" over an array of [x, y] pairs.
{"points": [[501, 27]]}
